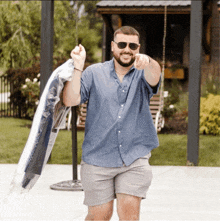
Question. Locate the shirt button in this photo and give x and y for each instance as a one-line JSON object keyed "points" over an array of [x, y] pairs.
{"points": [[119, 116], [119, 131], [123, 91], [120, 145], [122, 105]]}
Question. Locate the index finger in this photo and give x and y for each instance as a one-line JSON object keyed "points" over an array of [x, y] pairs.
{"points": [[137, 57]]}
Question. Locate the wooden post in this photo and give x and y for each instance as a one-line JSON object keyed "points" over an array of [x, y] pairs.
{"points": [[194, 81], [47, 23], [104, 42], [109, 36]]}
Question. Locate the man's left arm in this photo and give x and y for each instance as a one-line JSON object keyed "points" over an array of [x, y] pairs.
{"points": [[152, 70]]}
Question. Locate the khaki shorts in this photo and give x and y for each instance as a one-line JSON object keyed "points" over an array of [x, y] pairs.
{"points": [[101, 184]]}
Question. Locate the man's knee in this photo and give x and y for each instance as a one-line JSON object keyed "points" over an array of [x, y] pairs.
{"points": [[128, 207], [101, 212]]}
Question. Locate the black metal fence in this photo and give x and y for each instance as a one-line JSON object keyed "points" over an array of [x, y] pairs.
{"points": [[7, 109]]}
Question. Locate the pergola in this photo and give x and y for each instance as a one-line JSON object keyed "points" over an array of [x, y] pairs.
{"points": [[196, 21]]}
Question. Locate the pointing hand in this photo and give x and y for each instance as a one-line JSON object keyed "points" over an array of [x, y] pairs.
{"points": [[141, 61]]}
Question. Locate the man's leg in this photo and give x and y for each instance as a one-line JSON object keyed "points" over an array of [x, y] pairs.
{"points": [[98, 186], [131, 187], [128, 207], [101, 212]]}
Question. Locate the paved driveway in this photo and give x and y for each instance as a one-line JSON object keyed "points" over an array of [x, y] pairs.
{"points": [[176, 193]]}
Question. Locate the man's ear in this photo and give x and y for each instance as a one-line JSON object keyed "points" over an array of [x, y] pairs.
{"points": [[139, 47]]}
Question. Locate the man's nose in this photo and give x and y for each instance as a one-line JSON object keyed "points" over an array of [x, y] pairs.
{"points": [[127, 48]]}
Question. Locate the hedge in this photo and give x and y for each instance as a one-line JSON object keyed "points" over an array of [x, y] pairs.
{"points": [[210, 115], [17, 78]]}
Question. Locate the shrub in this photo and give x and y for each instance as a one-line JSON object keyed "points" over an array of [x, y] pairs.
{"points": [[210, 115], [31, 91], [171, 100], [17, 79], [169, 109], [22, 98]]}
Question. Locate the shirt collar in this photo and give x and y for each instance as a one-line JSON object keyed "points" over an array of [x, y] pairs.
{"points": [[112, 68]]}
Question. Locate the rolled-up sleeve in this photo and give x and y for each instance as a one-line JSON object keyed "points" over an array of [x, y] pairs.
{"points": [[151, 89], [86, 84]]}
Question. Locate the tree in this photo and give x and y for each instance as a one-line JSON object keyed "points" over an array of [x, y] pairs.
{"points": [[76, 24], [20, 30]]}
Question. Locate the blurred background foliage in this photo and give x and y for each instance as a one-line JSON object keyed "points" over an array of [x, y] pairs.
{"points": [[75, 22], [20, 32], [20, 27]]}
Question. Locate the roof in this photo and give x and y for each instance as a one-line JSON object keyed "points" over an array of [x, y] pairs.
{"points": [[146, 3], [144, 6], [143, 3]]}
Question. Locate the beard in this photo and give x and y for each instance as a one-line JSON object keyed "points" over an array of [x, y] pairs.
{"points": [[124, 64]]}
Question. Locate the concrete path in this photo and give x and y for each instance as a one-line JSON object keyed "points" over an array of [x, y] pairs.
{"points": [[176, 193]]}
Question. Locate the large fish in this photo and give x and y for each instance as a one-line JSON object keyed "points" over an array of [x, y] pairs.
{"points": [[49, 117]]}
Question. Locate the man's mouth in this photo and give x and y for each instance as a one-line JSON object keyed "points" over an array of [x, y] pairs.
{"points": [[126, 56]]}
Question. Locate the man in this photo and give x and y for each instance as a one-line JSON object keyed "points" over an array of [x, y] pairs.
{"points": [[119, 130]]}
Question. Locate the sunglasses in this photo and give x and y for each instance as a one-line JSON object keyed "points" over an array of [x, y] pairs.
{"points": [[122, 45]]}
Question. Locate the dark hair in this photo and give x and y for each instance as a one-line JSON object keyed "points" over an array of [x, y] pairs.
{"points": [[127, 30]]}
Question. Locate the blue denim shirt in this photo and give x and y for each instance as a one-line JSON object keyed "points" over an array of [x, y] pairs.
{"points": [[119, 127]]}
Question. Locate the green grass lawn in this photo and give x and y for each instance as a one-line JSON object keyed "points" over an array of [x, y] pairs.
{"points": [[172, 149]]}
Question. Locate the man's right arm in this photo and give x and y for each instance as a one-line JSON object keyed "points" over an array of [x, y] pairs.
{"points": [[71, 91]]}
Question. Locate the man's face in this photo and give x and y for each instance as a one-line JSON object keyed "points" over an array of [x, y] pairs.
{"points": [[125, 56]]}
